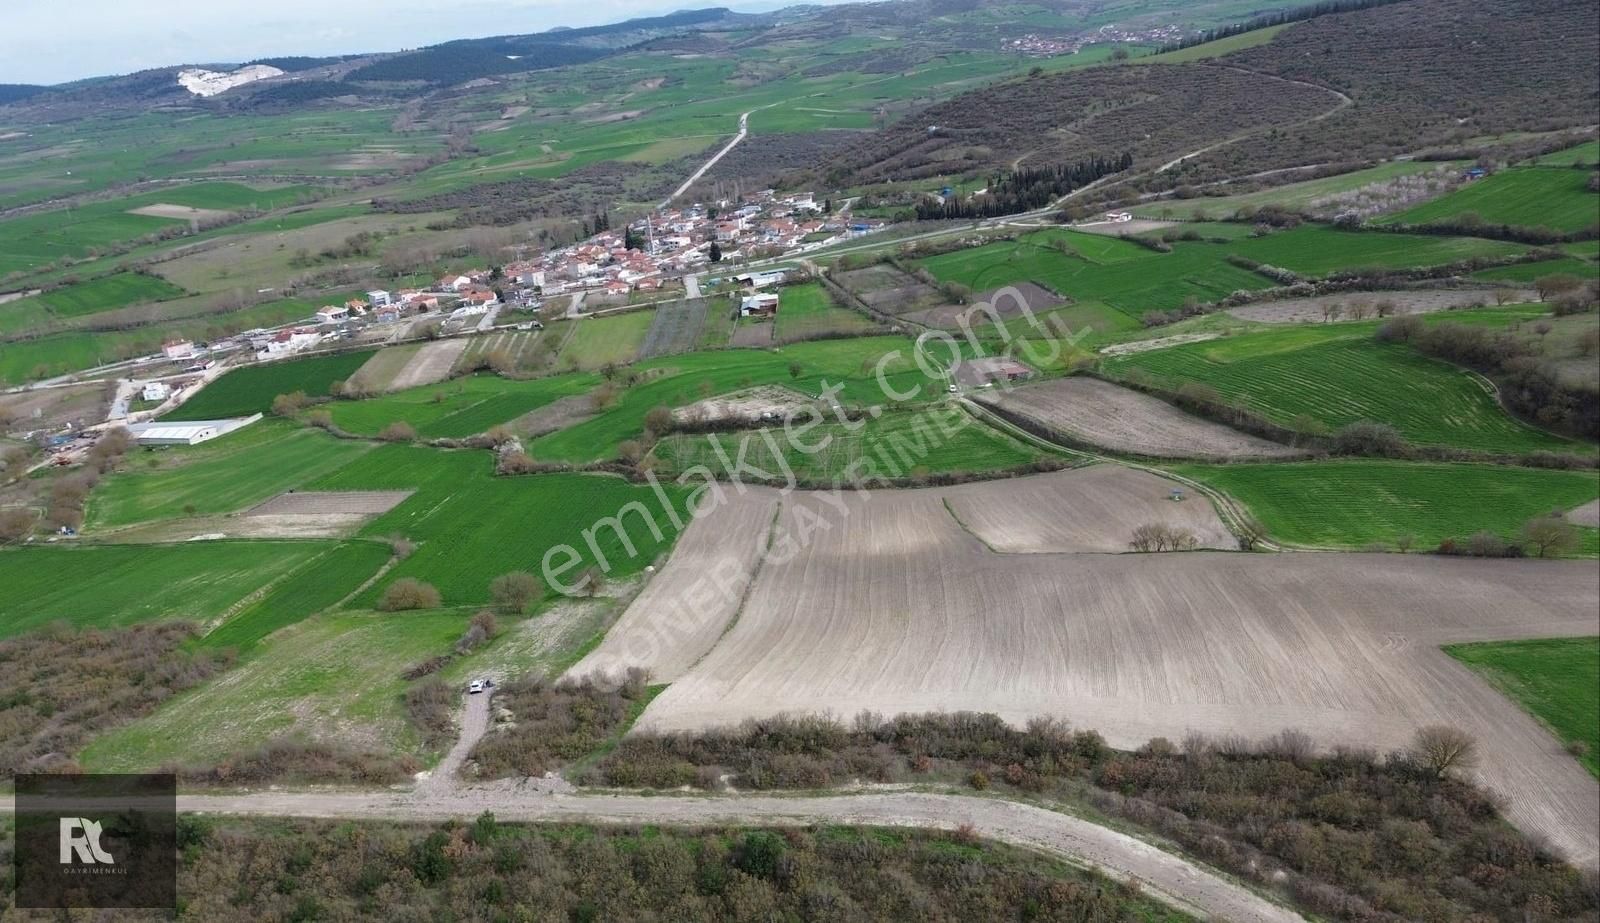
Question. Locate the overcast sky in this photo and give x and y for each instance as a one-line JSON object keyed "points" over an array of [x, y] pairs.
{"points": [[52, 41]]}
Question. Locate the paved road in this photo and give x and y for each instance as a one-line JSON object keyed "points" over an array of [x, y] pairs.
{"points": [[1159, 873]]}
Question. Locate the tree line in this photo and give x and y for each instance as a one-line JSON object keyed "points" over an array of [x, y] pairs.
{"points": [[1267, 20], [1024, 189]]}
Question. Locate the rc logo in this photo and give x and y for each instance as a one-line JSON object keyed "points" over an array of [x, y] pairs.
{"points": [[80, 837]]}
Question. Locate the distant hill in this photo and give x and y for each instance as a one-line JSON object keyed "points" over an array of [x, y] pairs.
{"points": [[469, 59], [1416, 74], [16, 92]]}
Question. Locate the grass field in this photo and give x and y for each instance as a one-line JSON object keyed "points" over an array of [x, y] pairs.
{"points": [[106, 293], [1552, 197], [1352, 504], [108, 585], [1134, 279], [471, 526], [1214, 49], [1301, 195], [1337, 375], [605, 340], [233, 473], [251, 389], [315, 585], [1530, 272], [903, 444], [334, 677], [1556, 679], [1585, 153], [806, 310], [680, 380], [457, 408], [33, 240]]}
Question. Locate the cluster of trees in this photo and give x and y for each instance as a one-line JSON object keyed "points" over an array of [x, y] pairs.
{"points": [[1550, 536], [51, 710], [1529, 386], [1347, 834], [1024, 189], [1295, 14], [484, 869], [555, 723], [1159, 536]]}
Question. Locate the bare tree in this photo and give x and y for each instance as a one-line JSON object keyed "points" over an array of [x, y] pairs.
{"points": [[1442, 748], [1404, 542], [1551, 536]]}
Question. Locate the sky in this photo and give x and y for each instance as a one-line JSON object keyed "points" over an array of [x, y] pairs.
{"points": [[54, 41]]}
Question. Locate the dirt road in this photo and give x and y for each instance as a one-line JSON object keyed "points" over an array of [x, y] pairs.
{"points": [[474, 723], [1080, 842]]}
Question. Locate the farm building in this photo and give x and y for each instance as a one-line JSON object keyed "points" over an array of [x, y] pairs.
{"points": [[759, 279], [759, 306], [187, 432], [155, 391], [978, 373], [177, 349]]}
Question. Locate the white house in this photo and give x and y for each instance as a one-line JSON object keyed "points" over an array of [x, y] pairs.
{"points": [[378, 298], [333, 314], [156, 391], [177, 349], [763, 305]]}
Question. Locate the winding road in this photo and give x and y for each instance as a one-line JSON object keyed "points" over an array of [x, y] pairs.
{"points": [[1079, 842]]}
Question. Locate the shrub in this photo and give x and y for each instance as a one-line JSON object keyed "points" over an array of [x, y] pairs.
{"points": [[398, 431], [514, 592], [408, 593]]}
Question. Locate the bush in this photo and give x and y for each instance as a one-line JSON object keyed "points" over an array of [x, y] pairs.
{"points": [[1366, 437], [409, 593], [398, 431], [513, 593]]}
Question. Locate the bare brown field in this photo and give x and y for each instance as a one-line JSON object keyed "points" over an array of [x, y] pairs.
{"points": [[885, 603], [1093, 509], [1155, 343], [558, 414], [1586, 515], [1300, 310], [317, 502], [1005, 303], [685, 608], [179, 212], [431, 364], [888, 289], [1087, 410], [753, 334], [752, 406], [378, 372]]}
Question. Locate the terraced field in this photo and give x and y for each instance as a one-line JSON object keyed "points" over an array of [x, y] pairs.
{"points": [[250, 389], [1338, 378], [1553, 197], [1352, 504]]}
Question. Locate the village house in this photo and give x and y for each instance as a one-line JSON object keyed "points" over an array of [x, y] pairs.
{"points": [[764, 304], [177, 349], [333, 314], [378, 298]]}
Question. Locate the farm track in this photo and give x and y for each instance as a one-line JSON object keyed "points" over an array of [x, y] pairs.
{"points": [[1170, 878]]}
